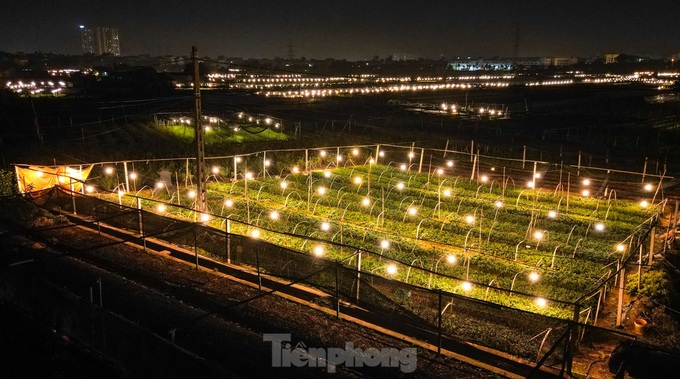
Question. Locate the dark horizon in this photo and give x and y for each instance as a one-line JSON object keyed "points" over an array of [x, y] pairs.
{"points": [[352, 30]]}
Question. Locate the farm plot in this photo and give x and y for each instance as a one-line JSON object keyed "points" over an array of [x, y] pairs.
{"points": [[534, 249]]}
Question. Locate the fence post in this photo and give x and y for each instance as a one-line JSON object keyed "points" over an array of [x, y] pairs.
{"points": [[639, 273], [196, 244], [257, 263], [337, 290], [139, 217], [127, 178], [439, 322], [96, 216], [186, 174], [73, 195], [600, 298], [228, 241], [358, 276], [651, 245], [141, 228], [420, 166], [472, 150], [573, 338], [622, 285]]}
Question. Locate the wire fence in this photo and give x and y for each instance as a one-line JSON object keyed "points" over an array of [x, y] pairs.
{"points": [[441, 317]]}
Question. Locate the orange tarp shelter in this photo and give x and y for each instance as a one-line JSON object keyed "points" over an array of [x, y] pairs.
{"points": [[35, 178]]}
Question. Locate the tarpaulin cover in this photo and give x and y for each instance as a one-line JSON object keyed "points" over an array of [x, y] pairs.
{"points": [[36, 178]]}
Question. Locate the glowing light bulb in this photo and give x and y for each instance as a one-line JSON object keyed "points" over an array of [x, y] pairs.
{"points": [[534, 277]]}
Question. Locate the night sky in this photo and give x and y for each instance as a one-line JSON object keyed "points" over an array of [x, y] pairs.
{"points": [[349, 29]]}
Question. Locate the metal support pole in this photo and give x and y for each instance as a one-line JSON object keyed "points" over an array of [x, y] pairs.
{"points": [[644, 170], [675, 217], [474, 165], [257, 263], [196, 244], [235, 167], [337, 290], [600, 298], [524, 156], [622, 280], [420, 166], [73, 196], [186, 175], [568, 189], [141, 227], [82, 186], [358, 276], [139, 217], [651, 247], [127, 178], [306, 160], [639, 275], [578, 166], [96, 216], [573, 338], [472, 149], [228, 241], [439, 322]]}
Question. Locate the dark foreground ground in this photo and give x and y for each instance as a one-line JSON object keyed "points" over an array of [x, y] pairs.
{"points": [[157, 295], [31, 349]]}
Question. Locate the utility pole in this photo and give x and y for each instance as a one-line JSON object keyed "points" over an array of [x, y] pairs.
{"points": [[198, 136]]}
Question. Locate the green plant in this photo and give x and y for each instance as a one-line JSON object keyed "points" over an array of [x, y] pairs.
{"points": [[7, 183], [654, 284]]}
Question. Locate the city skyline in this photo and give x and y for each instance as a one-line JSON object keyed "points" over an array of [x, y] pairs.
{"points": [[351, 30], [99, 40]]}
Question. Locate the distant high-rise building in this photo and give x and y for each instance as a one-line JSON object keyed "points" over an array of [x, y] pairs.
{"points": [[100, 40], [87, 40]]}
